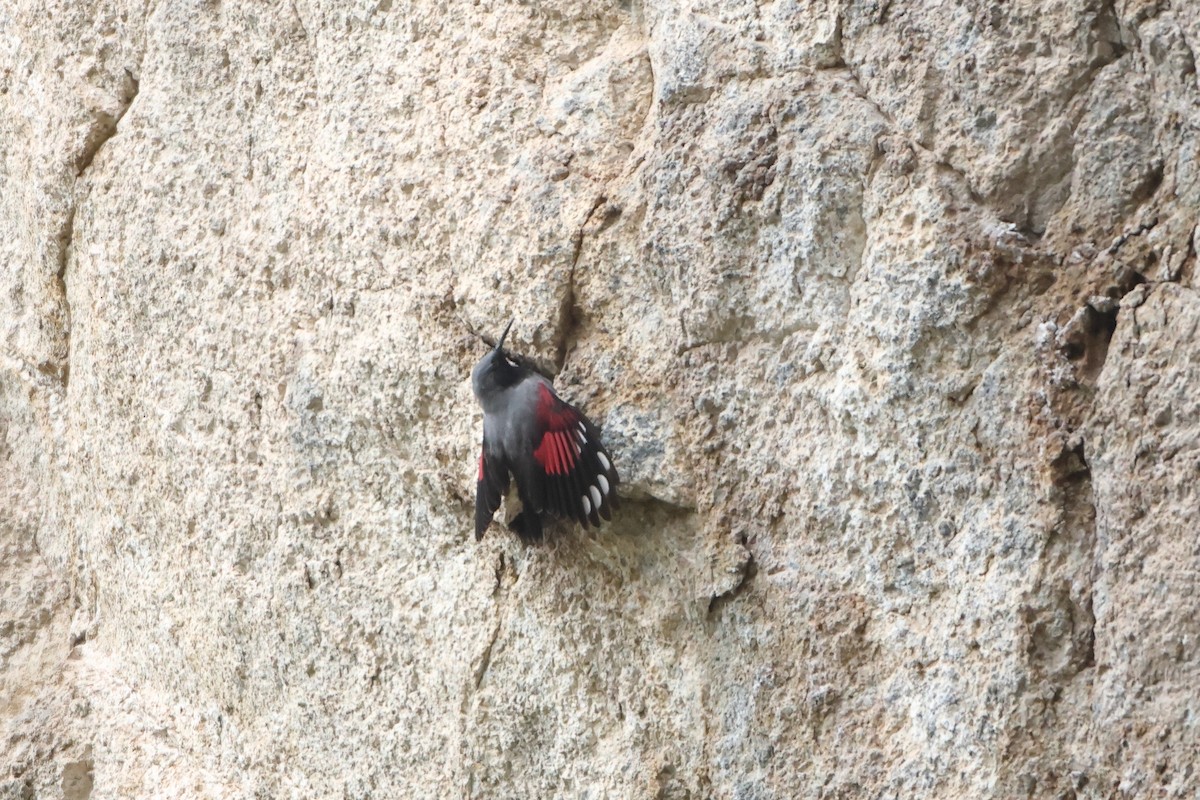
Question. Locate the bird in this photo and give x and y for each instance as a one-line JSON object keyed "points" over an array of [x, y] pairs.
{"points": [[552, 449]]}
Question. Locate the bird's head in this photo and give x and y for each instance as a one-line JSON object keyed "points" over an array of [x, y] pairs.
{"points": [[495, 371]]}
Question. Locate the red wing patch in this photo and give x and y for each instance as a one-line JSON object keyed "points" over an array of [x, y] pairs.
{"points": [[555, 453], [554, 414], [579, 480]]}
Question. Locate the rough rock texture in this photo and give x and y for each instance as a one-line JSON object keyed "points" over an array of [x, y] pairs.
{"points": [[888, 310]]}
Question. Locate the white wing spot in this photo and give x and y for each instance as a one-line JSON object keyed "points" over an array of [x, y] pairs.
{"points": [[595, 493], [582, 429], [577, 450], [603, 461], [581, 438], [587, 507], [603, 481]]}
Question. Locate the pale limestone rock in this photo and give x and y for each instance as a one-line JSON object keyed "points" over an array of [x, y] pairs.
{"points": [[1145, 459], [887, 311]]}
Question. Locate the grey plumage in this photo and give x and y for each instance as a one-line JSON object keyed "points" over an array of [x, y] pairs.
{"points": [[550, 447]]}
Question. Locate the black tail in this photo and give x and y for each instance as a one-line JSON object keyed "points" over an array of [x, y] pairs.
{"points": [[528, 526]]}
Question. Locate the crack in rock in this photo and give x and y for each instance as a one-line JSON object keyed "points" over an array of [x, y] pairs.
{"points": [[104, 126], [102, 129], [568, 311], [741, 572]]}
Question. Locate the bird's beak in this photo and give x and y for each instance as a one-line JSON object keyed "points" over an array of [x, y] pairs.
{"points": [[500, 341]]}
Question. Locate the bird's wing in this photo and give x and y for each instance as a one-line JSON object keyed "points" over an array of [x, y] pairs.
{"points": [[491, 484], [575, 474]]}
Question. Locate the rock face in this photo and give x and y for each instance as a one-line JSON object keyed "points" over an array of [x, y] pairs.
{"points": [[888, 310]]}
